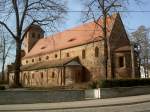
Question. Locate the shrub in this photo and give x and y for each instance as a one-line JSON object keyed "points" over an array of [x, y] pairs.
{"points": [[2, 87], [3, 82], [123, 83], [93, 85]]}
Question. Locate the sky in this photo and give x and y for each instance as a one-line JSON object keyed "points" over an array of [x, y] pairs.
{"points": [[131, 20]]}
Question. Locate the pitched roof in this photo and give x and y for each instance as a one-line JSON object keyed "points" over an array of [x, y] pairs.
{"points": [[82, 34], [50, 64]]}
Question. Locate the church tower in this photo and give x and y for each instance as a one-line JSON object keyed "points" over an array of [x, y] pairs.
{"points": [[34, 34]]}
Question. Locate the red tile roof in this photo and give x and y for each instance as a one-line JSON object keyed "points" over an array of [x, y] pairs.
{"points": [[51, 64], [82, 34]]}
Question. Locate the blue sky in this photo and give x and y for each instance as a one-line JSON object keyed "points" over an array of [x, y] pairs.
{"points": [[131, 20]]}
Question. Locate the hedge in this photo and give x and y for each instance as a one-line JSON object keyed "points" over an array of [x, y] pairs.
{"points": [[2, 87], [120, 83]]}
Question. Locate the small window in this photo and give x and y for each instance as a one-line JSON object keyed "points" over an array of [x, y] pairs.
{"points": [[67, 54], [33, 35], [26, 61], [43, 47], [39, 59], [32, 60], [121, 61], [42, 75], [96, 52], [32, 76], [55, 55], [53, 75], [83, 54], [72, 39], [47, 57]]}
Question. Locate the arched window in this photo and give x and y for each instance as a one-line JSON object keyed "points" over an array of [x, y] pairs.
{"points": [[96, 51], [83, 54], [121, 61], [67, 54], [53, 74], [55, 55], [32, 60], [42, 75], [33, 76], [39, 59], [26, 61], [47, 57]]}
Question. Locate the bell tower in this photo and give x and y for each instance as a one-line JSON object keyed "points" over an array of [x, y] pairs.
{"points": [[34, 34]]}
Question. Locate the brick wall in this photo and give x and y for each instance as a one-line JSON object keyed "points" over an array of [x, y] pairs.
{"points": [[93, 65]]}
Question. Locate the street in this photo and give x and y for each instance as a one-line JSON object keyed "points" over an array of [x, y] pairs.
{"points": [[139, 103], [142, 107]]}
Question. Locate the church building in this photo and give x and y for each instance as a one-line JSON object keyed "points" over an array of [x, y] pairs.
{"points": [[76, 56]]}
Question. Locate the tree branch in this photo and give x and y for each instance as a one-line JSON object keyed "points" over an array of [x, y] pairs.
{"points": [[14, 2], [8, 29], [23, 15], [27, 30]]}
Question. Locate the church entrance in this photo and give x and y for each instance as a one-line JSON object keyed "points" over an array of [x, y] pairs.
{"points": [[73, 75]]}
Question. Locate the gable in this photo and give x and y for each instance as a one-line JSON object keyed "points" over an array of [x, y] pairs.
{"points": [[118, 36], [73, 63]]}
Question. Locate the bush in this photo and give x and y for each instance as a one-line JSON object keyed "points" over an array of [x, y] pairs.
{"points": [[2, 87], [93, 85], [119, 83], [123, 83], [3, 82]]}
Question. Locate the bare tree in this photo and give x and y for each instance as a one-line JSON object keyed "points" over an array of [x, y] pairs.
{"points": [[141, 38], [6, 44], [26, 13], [97, 9]]}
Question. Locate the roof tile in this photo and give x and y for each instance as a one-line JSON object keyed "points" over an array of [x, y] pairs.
{"points": [[82, 34]]}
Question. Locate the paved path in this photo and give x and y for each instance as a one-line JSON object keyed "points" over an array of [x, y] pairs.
{"points": [[78, 104]]}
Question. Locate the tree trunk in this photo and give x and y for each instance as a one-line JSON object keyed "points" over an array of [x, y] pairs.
{"points": [[145, 67], [4, 58], [3, 73], [17, 63], [3, 64], [133, 61], [105, 43]]}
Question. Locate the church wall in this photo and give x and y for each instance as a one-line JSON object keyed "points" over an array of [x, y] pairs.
{"points": [[93, 66], [41, 78]]}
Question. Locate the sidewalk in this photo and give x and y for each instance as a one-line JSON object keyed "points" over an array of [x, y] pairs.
{"points": [[77, 104]]}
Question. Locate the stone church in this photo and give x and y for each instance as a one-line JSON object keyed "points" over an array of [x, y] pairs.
{"points": [[76, 56]]}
